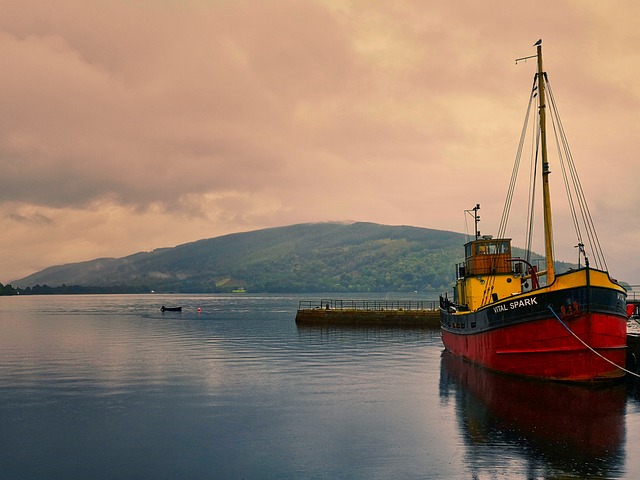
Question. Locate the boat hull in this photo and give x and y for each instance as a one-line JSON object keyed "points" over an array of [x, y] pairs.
{"points": [[523, 336], [170, 309]]}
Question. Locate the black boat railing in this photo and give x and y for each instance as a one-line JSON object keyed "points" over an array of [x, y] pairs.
{"points": [[371, 305]]}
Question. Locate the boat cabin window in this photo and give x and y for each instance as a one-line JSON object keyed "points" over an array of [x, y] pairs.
{"points": [[485, 256], [492, 248]]}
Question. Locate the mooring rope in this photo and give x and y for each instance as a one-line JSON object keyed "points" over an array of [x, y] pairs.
{"points": [[583, 343]]}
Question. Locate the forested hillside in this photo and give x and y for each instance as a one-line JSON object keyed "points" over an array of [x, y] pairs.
{"points": [[327, 257], [318, 257]]}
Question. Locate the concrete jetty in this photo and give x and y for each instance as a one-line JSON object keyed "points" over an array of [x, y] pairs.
{"points": [[381, 313]]}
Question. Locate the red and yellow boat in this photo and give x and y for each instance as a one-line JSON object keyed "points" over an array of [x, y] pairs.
{"points": [[507, 316]]}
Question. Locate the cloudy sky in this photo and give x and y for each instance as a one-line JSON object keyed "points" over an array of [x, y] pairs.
{"points": [[129, 125]]}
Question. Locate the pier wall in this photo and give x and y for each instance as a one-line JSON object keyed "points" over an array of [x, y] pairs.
{"points": [[383, 313]]}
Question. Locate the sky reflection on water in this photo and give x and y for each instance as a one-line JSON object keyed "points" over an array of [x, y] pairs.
{"points": [[110, 387]]}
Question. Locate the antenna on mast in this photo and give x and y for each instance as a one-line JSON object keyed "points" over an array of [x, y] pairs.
{"points": [[539, 42], [476, 219]]}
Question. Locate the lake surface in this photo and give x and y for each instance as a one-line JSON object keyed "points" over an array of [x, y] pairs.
{"points": [[105, 387]]}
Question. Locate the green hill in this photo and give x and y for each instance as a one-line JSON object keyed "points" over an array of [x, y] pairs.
{"points": [[327, 257], [317, 257]]}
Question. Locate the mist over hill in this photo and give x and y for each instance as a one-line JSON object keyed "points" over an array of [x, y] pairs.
{"points": [[314, 257]]}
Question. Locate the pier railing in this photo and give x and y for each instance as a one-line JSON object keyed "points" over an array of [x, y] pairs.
{"points": [[371, 305]]}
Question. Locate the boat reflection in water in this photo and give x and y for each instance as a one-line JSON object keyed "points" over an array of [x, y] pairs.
{"points": [[535, 429]]}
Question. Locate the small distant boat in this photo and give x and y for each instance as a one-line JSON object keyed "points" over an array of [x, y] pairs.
{"points": [[239, 290], [171, 309]]}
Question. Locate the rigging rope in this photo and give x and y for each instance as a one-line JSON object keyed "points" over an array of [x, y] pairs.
{"points": [[579, 210], [533, 178], [580, 213], [593, 350], [488, 288], [514, 174], [587, 220]]}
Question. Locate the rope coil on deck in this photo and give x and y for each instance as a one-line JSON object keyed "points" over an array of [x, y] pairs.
{"points": [[589, 347]]}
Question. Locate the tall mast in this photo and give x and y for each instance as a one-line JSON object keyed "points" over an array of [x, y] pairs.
{"points": [[546, 199]]}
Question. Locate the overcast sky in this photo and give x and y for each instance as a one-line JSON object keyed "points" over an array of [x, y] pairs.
{"points": [[129, 125]]}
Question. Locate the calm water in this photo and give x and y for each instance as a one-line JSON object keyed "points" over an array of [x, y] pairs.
{"points": [[95, 387]]}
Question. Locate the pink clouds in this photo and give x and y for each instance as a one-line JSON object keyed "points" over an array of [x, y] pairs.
{"points": [[120, 118]]}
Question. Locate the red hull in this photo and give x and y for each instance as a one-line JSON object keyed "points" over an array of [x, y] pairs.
{"points": [[545, 349]]}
